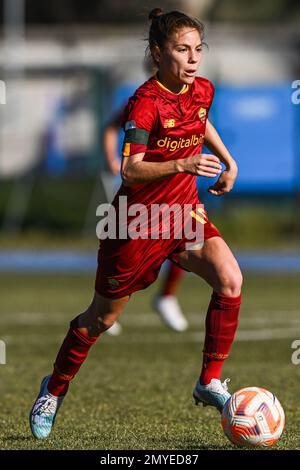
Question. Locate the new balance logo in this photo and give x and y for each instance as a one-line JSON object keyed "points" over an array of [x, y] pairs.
{"points": [[169, 123]]}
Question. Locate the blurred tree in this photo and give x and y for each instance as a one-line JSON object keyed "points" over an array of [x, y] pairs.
{"points": [[255, 11], [95, 11], [135, 11]]}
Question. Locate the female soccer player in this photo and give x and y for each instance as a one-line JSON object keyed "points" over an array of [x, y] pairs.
{"points": [[166, 124]]}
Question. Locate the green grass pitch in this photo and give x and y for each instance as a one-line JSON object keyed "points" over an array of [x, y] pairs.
{"points": [[134, 391]]}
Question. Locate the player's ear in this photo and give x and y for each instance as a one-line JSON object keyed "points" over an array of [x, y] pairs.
{"points": [[156, 54]]}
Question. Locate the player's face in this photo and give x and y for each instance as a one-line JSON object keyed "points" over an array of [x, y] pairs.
{"points": [[179, 59]]}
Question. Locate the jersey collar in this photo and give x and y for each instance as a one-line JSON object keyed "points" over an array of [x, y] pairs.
{"points": [[168, 92]]}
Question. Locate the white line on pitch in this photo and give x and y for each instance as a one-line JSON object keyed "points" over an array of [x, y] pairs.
{"points": [[160, 338], [151, 319]]}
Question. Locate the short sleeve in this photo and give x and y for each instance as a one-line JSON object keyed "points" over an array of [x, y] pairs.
{"points": [[139, 119], [211, 93], [205, 90]]}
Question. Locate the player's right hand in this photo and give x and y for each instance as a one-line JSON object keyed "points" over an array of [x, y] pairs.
{"points": [[202, 164]]}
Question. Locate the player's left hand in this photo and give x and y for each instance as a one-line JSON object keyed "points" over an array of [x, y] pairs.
{"points": [[225, 183]]}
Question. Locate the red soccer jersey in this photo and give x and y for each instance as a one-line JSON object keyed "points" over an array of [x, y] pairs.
{"points": [[166, 126]]}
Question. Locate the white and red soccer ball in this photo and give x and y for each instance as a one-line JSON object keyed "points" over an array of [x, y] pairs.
{"points": [[253, 416]]}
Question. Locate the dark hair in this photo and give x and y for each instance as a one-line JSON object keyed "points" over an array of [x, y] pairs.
{"points": [[164, 25]]}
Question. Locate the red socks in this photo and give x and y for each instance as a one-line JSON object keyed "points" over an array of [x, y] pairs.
{"points": [[221, 323], [71, 356], [220, 327], [173, 277]]}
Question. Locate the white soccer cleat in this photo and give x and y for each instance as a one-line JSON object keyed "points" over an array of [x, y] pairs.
{"points": [[43, 413], [115, 329], [168, 308], [214, 394]]}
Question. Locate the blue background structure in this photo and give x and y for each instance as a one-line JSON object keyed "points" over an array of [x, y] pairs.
{"points": [[258, 123]]}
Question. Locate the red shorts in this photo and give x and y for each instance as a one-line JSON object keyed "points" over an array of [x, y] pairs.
{"points": [[126, 266]]}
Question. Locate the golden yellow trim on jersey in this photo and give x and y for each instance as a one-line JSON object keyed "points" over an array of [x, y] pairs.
{"points": [[183, 90]]}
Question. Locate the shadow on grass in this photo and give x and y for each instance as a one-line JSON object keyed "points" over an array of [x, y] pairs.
{"points": [[202, 447], [182, 444], [18, 439], [154, 445]]}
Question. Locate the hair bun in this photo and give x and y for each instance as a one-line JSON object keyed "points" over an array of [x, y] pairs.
{"points": [[155, 13]]}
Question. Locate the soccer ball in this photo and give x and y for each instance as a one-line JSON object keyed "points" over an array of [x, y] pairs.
{"points": [[253, 417]]}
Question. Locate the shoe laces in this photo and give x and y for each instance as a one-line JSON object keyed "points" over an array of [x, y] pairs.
{"points": [[46, 405], [224, 384]]}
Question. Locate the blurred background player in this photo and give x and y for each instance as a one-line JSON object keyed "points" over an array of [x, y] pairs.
{"points": [[165, 302]]}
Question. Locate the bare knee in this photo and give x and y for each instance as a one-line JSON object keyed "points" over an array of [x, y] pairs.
{"points": [[96, 322], [231, 285], [101, 315]]}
